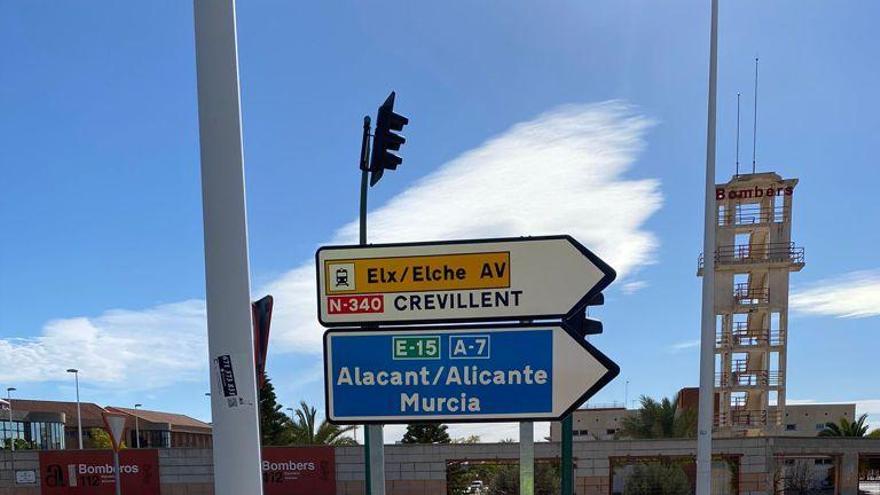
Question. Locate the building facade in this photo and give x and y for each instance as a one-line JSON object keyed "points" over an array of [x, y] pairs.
{"points": [[53, 425], [801, 420]]}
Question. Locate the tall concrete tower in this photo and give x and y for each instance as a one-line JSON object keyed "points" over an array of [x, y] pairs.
{"points": [[754, 256]]}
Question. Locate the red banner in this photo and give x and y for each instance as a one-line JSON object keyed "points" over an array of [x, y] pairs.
{"points": [[90, 472], [299, 471]]}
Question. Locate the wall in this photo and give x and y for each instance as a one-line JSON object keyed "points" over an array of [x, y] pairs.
{"points": [[421, 469]]}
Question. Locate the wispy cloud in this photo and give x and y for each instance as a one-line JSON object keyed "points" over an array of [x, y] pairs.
{"points": [[139, 349], [633, 287], [684, 345], [559, 173], [854, 295]]}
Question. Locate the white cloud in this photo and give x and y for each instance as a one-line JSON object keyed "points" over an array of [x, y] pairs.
{"points": [[633, 287], [559, 173], [139, 349], [684, 345], [854, 295]]}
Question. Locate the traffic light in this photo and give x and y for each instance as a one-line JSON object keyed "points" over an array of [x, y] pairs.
{"points": [[386, 140], [583, 325]]}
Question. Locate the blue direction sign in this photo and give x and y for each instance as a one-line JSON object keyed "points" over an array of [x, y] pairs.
{"points": [[520, 373]]}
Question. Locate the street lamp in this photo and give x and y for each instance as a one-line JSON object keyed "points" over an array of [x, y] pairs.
{"points": [[79, 426], [9, 400], [137, 429]]}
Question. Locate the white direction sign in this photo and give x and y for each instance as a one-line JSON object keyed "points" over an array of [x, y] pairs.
{"points": [[524, 373], [475, 280]]}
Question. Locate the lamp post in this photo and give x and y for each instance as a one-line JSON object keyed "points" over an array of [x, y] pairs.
{"points": [[9, 400], [79, 426], [12, 438], [137, 429]]}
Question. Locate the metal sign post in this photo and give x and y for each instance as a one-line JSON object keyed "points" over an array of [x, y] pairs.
{"points": [[527, 458], [230, 329]]}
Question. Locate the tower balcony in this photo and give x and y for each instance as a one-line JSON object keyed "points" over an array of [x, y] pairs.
{"points": [[751, 214], [748, 379], [742, 255], [742, 337], [743, 417], [745, 295]]}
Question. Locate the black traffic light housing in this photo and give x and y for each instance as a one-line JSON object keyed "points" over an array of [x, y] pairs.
{"points": [[581, 325], [386, 140]]}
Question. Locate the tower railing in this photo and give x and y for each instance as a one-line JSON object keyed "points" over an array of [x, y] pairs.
{"points": [[748, 378], [739, 254], [745, 295], [751, 214], [744, 417], [749, 337]]}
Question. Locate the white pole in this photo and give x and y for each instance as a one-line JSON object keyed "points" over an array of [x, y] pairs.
{"points": [[11, 426], [79, 427], [137, 429], [230, 335], [526, 458], [117, 477], [705, 417]]}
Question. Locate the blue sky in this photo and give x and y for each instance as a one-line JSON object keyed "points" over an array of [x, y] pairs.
{"points": [[526, 118]]}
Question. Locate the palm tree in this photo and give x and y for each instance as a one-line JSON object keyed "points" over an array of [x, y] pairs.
{"points": [[305, 433], [845, 428], [661, 419]]}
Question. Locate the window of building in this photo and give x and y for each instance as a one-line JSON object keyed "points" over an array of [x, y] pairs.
{"points": [[790, 427], [747, 214], [11, 430], [611, 431], [820, 426]]}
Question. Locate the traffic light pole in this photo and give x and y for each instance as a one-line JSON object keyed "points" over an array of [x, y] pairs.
{"points": [[374, 437]]}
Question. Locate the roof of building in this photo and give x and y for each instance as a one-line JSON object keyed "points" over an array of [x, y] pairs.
{"points": [[177, 422], [92, 415], [91, 412]]}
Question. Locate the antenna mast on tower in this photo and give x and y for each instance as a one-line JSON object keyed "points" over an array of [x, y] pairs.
{"points": [[755, 124], [737, 133]]}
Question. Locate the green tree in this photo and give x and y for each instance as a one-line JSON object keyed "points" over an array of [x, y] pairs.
{"points": [[846, 428], [505, 481], [306, 431], [275, 426], [657, 477], [426, 433], [100, 439], [660, 419], [20, 444], [874, 434]]}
